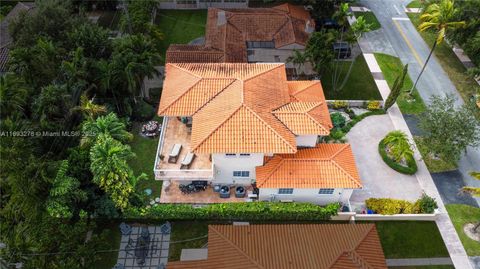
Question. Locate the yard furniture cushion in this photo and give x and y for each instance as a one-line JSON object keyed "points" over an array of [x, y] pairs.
{"points": [[176, 149], [187, 160]]}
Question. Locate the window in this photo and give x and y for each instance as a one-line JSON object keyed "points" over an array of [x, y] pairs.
{"points": [[241, 173], [260, 45], [285, 191], [277, 58], [326, 191], [244, 154], [230, 155]]}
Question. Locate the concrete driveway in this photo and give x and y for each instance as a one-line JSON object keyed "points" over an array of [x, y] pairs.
{"points": [[379, 180]]}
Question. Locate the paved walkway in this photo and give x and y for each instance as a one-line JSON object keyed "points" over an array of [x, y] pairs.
{"points": [[445, 226], [419, 262]]}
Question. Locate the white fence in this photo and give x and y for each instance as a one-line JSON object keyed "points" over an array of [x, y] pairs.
{"points": [[374, 217]]}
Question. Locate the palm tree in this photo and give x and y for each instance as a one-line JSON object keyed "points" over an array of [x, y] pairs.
{"points": [[359, 27], [13, 95], [107, 125], [399, 145], [110, 169], [298, 59], [438, 16], [88, 108]]}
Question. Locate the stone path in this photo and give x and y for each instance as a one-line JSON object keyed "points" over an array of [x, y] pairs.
{"points": [[157, 249], [450, 237], [419, 262]]}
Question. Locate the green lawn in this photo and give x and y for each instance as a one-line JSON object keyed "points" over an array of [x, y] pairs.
{"points": [[180, 26], [183, 231], [433, 165], [370, 18], [109, 259], [465, 85], [410, 239], [360, 85], [414, 4], [145, 150], [461, 214], [391, 68]]}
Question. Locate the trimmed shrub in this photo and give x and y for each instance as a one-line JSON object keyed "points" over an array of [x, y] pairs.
{"points": [[142, 111], [427, 204], [338, 104], [236, 211], [373, 105], [388, 206], [411, 167], [338, 120], [336, 134]]}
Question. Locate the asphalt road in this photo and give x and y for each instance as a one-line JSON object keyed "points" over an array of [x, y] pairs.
{"points": [[412, 49]]}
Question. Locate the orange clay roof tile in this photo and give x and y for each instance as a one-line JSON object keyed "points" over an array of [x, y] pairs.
{"points": [[290, 246], [325, 166], [242, 107], [225, 38]]}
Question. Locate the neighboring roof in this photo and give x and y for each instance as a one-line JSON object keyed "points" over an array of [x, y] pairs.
{"points": [[290, 246], [324, 166], [242, 107], [5, 38], [228, 30]]}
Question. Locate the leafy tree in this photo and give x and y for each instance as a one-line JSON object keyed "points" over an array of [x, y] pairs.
{"points": [[449, 130], [396, 89], [110, 169], [319, 50], [13, 95], [108, 125], [92, 38], [52, 106], [64, 194], [399, 145], [467, 37], [439, 16]]}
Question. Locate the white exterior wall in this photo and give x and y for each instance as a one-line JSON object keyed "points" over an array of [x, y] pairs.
{"points": [[306, 140], [268, 56], [225, 165], [306, 195]]}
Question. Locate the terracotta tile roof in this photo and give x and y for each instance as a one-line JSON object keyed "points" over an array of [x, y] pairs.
{"points": [[228, 30], [290, 246], [304, 118], [306, 91], [241, 107], [324, 166]]}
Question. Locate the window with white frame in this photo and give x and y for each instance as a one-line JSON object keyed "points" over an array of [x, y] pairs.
{"points": [[285, 191], [326, 191], [241, 173]]}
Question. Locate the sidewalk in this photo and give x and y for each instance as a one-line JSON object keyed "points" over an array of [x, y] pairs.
{"points": [[447, 230], [419, 262]]}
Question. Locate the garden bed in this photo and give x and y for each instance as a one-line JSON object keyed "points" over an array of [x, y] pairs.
{"points": [[411, 167]]}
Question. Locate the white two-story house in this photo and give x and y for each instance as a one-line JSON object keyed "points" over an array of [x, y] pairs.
{"points": [[246, 124]]}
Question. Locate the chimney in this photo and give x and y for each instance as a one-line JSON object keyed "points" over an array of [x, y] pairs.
{"points": [[309, 28], [221, 19]]}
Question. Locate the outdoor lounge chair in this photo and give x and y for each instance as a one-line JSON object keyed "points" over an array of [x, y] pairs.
{"points": [[173, 156], [187, 160]]}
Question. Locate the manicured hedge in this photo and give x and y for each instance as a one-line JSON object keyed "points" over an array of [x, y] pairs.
{"points": [[412, 165], [357, 119], [236, 211], [388, 206]]}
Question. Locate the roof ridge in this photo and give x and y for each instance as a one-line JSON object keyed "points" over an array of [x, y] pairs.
{"points": [[273, 65], [270, 127], [273, 169], [181, 95], [312, 82], [216, 128], [235, 246], [213, 97], [346, 173], [177, 65], [318, 123]]}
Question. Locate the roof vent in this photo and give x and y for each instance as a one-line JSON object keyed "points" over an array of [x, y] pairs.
{"points": [[221, 19]]}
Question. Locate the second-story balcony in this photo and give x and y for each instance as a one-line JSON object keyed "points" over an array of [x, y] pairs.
{"points": [[175, 138]]}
